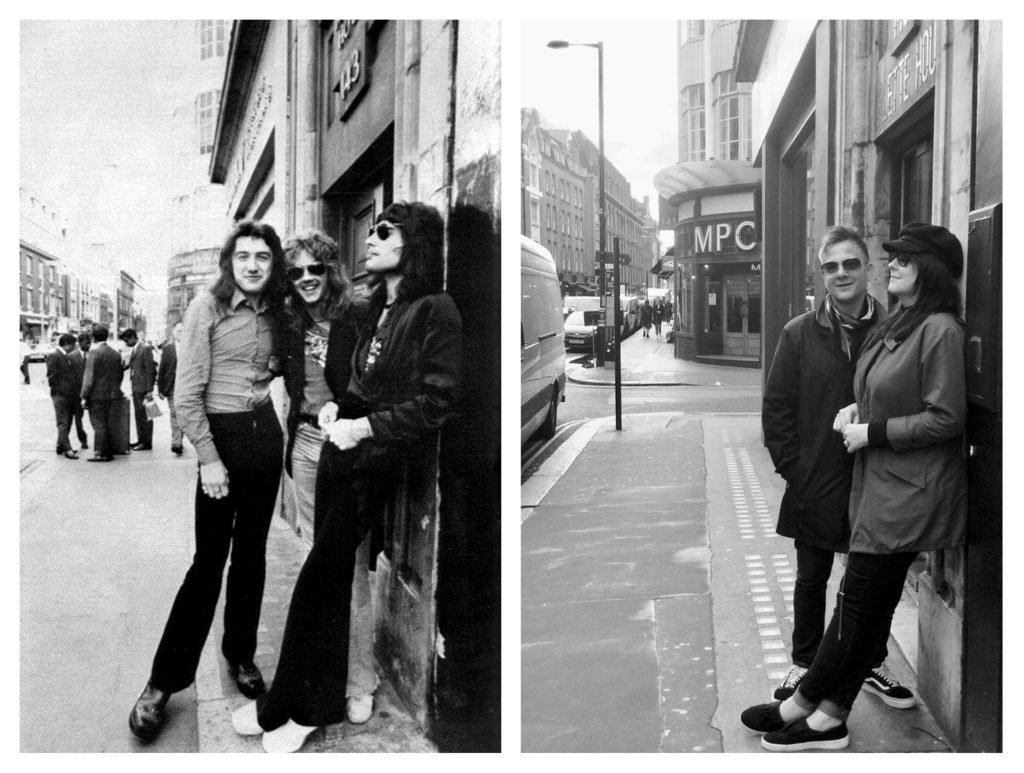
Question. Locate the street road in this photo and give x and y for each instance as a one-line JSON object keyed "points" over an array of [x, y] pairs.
{"points": [[584, 402]]}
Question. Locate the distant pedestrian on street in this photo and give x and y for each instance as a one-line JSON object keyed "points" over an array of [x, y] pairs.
{"points": [[77, 358], [165, 386], [142, 368], [317, 366], [222, 397], [656, 316], [646, 317], [909, 489], [810, 379], [401, 391], [101, 392], [61, 378], [26, 349]]}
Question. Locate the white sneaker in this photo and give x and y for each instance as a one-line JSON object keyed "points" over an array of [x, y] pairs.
{"points": [[286, 739], [359, 708], [244, 720]]}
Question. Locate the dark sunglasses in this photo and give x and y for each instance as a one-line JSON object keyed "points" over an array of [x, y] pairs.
{"points": [[383, 229], [850, 264], [902, 259], [295, 273]]}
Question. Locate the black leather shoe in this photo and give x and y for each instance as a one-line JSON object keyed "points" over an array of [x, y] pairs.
{"points": [[98, 459], [147, 715], [177, 450], [71, 454], [141, 447], [248, 678]]}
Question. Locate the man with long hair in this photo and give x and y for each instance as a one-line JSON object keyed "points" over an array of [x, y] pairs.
{"points": [[226, 362]]}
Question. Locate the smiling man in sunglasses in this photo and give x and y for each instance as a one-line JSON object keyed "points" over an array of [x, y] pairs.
{"points": [[810, 379]]}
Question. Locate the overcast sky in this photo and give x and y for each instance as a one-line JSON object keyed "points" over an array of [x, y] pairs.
{"points": [[639, 90], [96, 103]]}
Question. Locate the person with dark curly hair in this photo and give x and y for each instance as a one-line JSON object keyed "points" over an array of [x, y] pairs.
{"points": [[400, 392], [226, 362]]}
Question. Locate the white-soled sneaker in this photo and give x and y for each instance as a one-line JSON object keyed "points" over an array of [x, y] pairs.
{"points": [[244, 720], [882, 683], [286, 739], [359, 708], [794, 676]]}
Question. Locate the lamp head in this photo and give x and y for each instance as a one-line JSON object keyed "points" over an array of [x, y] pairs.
{"points": [[558, 44]]}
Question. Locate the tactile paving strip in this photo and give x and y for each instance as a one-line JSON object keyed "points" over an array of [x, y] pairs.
{"points": [[770, 575]]}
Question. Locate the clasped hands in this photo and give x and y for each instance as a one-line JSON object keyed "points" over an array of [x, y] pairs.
{"points": [[344, 433], [855, 434]]}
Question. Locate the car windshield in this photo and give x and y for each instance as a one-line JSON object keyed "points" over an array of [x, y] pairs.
{"points": [[584, 318]]}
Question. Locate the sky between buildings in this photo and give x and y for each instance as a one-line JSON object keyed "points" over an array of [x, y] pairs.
{"points": [[639, 91]]}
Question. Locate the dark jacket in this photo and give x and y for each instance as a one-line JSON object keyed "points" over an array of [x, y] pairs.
{"points": [[167, 370], [340, 343], [143, 369], [912, 496], [77, 358], [809, 381], [646, 315], [103, 374], [410, 389], [60, 375]]}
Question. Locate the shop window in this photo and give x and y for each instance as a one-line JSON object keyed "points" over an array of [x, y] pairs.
{"points": [[694, 30], [914, 184], [799, 174], [212, 38], [693, 117], [206, 119], [732, 109]]}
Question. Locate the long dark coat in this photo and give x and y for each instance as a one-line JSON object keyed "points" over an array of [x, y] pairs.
{"points": [[912, 496], [809, 381]]}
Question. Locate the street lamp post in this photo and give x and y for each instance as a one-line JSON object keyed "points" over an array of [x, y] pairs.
{"points": [[601, 225]]}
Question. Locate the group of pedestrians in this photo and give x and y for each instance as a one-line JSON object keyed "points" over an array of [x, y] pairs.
{"points": [[85, 373], [654, 314], [370, 383], [863, 415]]}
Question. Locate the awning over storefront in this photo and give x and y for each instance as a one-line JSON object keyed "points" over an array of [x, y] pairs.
{"points": [[692, 178]]}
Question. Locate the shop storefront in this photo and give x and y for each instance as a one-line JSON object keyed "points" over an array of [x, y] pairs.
{"points": [[717, 259], [875, 124]]}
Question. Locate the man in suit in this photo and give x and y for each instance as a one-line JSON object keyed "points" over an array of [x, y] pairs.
{"points": [[142, 367], [165, 384], [101, 392], [61, 378], [77, 358]]}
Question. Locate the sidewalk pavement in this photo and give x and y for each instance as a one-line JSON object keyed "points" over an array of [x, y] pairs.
{"points": [[651, 362], [657, 598], [104, 548]]}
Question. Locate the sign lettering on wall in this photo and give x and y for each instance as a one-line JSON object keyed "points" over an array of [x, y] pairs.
{"points": [[719, 237], [908, 68], [354, 74]]}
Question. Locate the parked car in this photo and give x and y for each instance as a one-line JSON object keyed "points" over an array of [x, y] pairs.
{"points": [[581, 330], [37, 352], [542, 345]]}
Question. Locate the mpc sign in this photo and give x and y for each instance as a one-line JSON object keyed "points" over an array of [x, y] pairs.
{"points": [[721, 236]]}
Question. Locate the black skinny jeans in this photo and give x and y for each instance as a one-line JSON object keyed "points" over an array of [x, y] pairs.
{"points": [[312, 671], [251, 447], [813, 567], [868, 595]]}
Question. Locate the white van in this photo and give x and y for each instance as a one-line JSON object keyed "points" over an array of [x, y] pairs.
{"points": [[541, 342]]}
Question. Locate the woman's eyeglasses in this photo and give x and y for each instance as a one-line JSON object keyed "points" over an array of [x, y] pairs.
{"points": [[850, 264], [295, 273], [383, 230], [902, 259]]}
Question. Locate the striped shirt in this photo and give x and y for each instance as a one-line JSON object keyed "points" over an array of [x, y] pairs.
{"points": [[223, 365]]}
